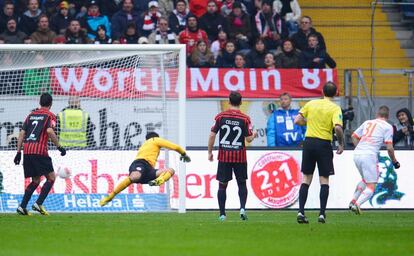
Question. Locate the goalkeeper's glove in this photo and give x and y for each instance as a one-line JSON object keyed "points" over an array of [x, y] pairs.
{"points": [[17, 158], [185, 158], [62, 151], [396, 164]]}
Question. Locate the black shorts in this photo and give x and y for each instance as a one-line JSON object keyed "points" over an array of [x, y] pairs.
{"points": [[37, 165], [225, 171], [317, 151], [148, 173]]}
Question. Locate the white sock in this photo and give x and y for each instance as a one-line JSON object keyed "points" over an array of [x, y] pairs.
{"points": [[365, 196], [358, 190]]}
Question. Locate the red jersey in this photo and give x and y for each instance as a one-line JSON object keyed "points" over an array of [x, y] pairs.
{"points": [[190, 38], [35, 126], [234, 127]]}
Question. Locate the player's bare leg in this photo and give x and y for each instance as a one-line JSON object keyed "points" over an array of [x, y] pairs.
{"points": [[47, 186], [303, 196], [27, 195], [221, 196], [163, 176], [365, 196], [133, 177]]}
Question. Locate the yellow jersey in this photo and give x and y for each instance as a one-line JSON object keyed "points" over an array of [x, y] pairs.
{"points": [[321, 117], [150, 149]]}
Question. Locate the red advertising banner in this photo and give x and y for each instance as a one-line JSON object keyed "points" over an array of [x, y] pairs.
{"points": [[201, 82]]}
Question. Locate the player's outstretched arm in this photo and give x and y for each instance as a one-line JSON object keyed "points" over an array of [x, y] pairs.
{"points": [[355, 140], [391, 154], [211, 140], [53, 137]]}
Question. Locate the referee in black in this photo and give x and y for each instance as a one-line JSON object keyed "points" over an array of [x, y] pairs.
{"points": [[321, 117]]}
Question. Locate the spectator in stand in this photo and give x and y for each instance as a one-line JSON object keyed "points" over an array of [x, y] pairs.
{"points": [[201, 57], [166, 7], [281, 130], [178, 18], [149, 20], [8, 12], [101, 37], [227, 56], [43, 34], [218, 45], [110, 7], [212, 21], [239, 61], [199, 7], [270, 27], [269, 61], [289, 57], [290, 11], [227, 7], [314, 56], [300, 39], [192, 34], [239, 27], [403, 130], [93, 19], [250, 6], [60, 21], [49, 7], [255, 58], [163, 34], [141, 6], [122, 18], [11, 35], [30, 19], [131, 35], [75, 35]]}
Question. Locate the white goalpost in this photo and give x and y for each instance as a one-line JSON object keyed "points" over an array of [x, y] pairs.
{"points": [[125, 92]]}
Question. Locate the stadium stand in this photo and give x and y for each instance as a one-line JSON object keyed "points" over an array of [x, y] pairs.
{"points": [[346, 26]]}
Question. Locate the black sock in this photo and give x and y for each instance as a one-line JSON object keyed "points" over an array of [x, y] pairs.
{"points": [[221, 196], [28, 193], [45, 191], [242, 194], [323, 197], [303, 196]]}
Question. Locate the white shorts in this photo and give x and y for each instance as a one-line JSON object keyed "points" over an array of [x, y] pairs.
{"points": [[368, 167]]}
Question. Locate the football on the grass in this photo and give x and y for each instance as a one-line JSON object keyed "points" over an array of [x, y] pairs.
{"points": [[64, 172]]}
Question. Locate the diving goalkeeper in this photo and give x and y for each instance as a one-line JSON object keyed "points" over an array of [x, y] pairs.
{"points": [[142, 168]]}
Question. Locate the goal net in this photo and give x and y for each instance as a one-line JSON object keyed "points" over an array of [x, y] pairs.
{"points": [[106, 99]]}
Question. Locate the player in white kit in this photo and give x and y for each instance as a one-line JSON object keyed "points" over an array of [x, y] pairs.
{"points": [[368, 139]]}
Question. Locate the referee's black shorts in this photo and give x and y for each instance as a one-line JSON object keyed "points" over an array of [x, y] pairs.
{"points": [[317, 151], [36, 165]]}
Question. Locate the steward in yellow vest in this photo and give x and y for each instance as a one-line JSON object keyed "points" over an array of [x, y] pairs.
{"points": [[74, 126]]}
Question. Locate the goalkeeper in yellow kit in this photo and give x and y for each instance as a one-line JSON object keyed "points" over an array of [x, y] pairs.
{"points": [[142, 168]]}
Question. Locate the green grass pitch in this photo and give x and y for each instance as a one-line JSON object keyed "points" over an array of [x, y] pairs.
{"points": [[200, 233]]}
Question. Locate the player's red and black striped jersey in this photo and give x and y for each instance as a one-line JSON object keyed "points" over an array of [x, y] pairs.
{"points": [[234, 127], [35, 126]]}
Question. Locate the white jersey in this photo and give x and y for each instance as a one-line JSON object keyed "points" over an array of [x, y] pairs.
{"points": [[372, 134]]}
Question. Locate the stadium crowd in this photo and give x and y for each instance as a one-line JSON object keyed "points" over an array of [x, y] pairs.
{"points": [[218, 33]]}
